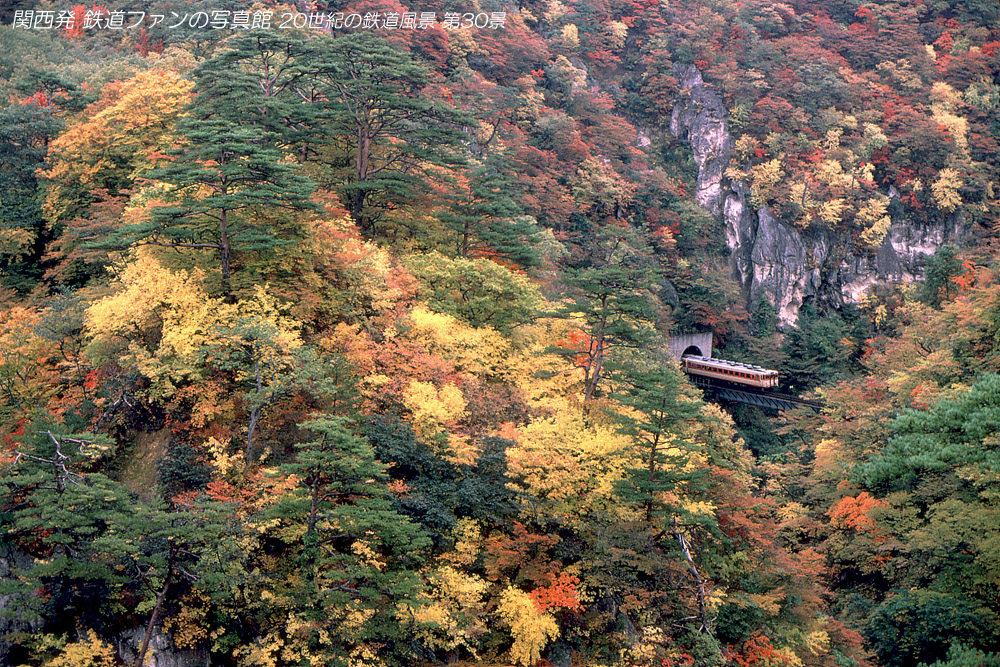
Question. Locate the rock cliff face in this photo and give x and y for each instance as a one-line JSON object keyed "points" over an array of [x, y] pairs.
{"points": [[161, 652], [699, 117], [775, 261]]}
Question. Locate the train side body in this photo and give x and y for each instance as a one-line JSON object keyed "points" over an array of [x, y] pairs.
{"points": [[730, 371]]}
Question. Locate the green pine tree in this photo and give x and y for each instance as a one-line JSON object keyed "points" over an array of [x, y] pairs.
{"points": [[483, 220], [25, 131], [232, 176], [661, 407], [387, 131], [355, 555], [613, 301]]}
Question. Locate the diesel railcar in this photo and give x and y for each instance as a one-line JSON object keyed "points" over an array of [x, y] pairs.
{"points": [[730, 371]]}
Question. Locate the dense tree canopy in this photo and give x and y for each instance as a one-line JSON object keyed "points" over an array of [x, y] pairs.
{"points": [[349, 346]]}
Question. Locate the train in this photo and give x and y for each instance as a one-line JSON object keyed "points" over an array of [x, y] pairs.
{"points": [[729, 371]]}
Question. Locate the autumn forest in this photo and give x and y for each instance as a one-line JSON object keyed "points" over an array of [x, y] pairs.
{"points": [[350, 346]]}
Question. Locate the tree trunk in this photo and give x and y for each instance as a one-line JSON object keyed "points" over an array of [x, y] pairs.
{"points": [[364, 150], [224, 248], [652, 477], [700, 591], [156, 609], [595, 375], [363, 159], [254, 415]]}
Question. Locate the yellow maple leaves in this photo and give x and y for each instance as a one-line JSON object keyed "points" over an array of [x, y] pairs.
{"points": [[89, 652], [433, 407], [23, 362], [166, 321], [763, 178], [873, 219], [571, 36], [152, 298], [127, 129], [568, 461], [482, 352], [945, 189], [531, 629], [454, 615]]}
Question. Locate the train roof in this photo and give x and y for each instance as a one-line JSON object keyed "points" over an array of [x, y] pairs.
{"points": [[730, 364]]}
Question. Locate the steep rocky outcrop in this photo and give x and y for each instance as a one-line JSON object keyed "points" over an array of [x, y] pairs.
{"points": [[161, 651], [771, 259], [699, 118]]}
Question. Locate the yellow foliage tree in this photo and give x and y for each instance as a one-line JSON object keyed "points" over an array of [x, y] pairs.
{"points": [[530, 628], [600, 189], [618, 33], [945, 189], [358, 280], [763, 178], [116, 140], [163, 324], [830, 211], [454, 616], [957, 127], [89, 652], [567, 457], [568, 461], [874, 221], [874, 139], [481, 352], [434, 409], [162, 318], [571, 36], [25, 374], [746, 146]]}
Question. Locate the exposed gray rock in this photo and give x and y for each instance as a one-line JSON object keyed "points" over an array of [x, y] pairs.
{"points": [[642, 139], [741, 233], [161, 651], [902, 257], [773, 260], [786, 265], [701, 119]]}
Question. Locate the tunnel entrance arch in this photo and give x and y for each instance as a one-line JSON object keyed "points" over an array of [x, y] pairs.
{"points": [[683, 344]]}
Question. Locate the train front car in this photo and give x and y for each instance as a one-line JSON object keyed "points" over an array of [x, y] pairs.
{"points": [[770, 378], [730, 371]]}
